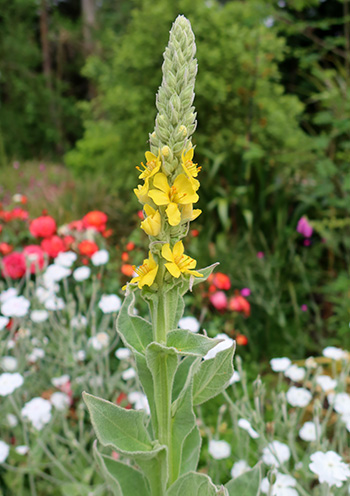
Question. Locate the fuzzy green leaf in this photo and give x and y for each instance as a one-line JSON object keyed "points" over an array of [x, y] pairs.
{"points": [[247, 483], [123, 479], [124, 430], [182, 374], [193, 484], [193, 281], [190, 451], [187, 343], [213, 376], [135, 332]]}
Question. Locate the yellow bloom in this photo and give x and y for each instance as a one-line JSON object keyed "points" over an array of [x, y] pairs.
{"points": [[142, 192], [189, 213], [181, 193], [152, 166], [146, 273], [190, 168], [152, 224], [178, 262]]}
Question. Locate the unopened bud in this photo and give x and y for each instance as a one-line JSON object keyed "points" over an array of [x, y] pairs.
{"points": [[165, 151], [183, 130]]}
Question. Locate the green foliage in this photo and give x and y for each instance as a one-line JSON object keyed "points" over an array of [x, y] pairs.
{"points": [[247, 483]]}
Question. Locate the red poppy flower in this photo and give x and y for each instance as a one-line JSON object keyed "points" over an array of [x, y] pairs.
{"points": [[5, 248], [96, 219], [130, 246], [125, 256], [239, 304], [241, 340], [87, 248], [221, 281], [14, 265], [43, 227], [127, 270], [53, 246]]}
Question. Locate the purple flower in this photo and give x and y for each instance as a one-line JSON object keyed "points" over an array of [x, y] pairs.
{"points": [[245, 292], [260, 254], [304, 227], [303, 308]]}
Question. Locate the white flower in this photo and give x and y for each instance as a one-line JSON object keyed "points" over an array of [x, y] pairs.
{"points": [[4, 451], [99, 342], [310, 363], [35, 355], [239, 468], [9, 363], [82, 273], [110, 303], [38, 316], [38, 412], [225, 343], [79, 356], [219, 449], [44, 294], [3, 322], [22, 450], [280, 364], [55, 273], [341, 403], [60, 381], [10, 344], [10, 382], [346, 419], [54, 304], [295, 373], [334, 353], [326, 383], [15, 307], [60, 401], [189, 323], [79, 322], [284, 486], [8, 294], [276, 453], [11, 420], [235, 377], [269, 21], [129, 374], [300, 397], [66, 259], [123, 353], [329, 468], [100, 257], [139, 400], [246, 425], [308, 432]]}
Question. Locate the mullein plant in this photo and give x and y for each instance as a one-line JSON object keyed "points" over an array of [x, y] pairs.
{"points": [[159, 453]]}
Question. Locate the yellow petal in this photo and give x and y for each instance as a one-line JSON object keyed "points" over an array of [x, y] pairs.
{"points": [[152, 224], [159, 197], [167, 253], [148, 279], [178, 249], [185, 192], [150, 156], [195, 273], [160, 181], [173, 213], [188, 155], [149, 210], [173, 269], [196, 213]]}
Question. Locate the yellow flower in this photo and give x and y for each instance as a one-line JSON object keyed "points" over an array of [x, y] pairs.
{"points": [[152, 224], [142, 192], [152, 166], [190, 168], [179, 263], [146, 273], [189, 213], [181, 193]]}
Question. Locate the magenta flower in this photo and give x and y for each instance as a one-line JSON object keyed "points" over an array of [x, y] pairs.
{"points": [[245, 292], [304, 227], [260, 254], [219, 300], [303, 308]]}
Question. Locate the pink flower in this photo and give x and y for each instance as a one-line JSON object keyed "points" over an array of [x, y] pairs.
{"points": [[304, 227], [35, 255], [245, 292], [218, 300], [260, 254], [303, 308], [53, 246], [239, 304]]}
